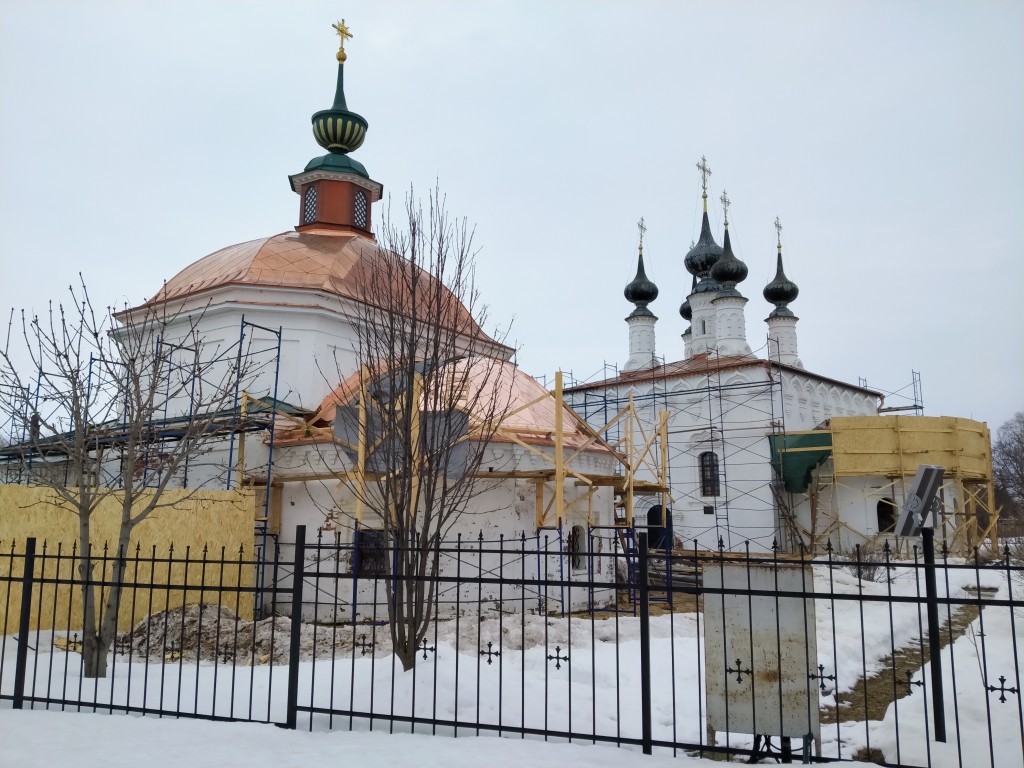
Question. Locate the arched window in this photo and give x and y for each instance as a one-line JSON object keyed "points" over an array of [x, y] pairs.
{"points": [[309, 204], [887, 514], [574, 547], [371, 553], [359, 210], [709, 485]]}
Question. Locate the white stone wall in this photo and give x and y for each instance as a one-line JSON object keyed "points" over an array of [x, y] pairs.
{"points": [[318, 344], [500, 515], [731, 421], [731, 326], [810, 400], [782, 346], [641, 342], [703, 326], [850, 505], [731, 413]]}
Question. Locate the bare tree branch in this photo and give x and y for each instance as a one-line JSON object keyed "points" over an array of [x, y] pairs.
{"points": [[414, 425], [110, 406]]}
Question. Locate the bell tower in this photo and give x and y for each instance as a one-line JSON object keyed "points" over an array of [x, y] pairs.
{"points": [[335, 192], [641, 291]]}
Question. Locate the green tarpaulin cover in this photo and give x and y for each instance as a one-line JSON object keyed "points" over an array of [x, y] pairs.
{"points": [[794, 457]]}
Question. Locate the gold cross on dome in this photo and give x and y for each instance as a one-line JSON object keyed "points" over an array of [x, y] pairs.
{"points": [[343, 34], [705, 171], [725, 206], [642, 229], [778, 231]]}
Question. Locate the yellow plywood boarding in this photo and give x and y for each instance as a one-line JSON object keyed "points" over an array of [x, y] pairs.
{"points": [[896, 446], [219, 521]]}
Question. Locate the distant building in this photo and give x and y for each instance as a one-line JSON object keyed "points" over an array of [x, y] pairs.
{"points": [[762, 450]]}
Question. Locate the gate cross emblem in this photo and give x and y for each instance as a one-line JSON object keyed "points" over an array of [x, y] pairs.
{"points": [[822, 677], [362, 645], [1002, 689], [740, 672], [558, 658], [423, 647], [911, 683], [489, 653]]}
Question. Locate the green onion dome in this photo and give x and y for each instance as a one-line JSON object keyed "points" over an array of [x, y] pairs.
{"points": [[338, 130]]}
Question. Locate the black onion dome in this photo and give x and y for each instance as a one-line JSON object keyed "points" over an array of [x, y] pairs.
{"points": [[781, 290], [705, 253], [728, 270], [685, 310], [641, 291]]}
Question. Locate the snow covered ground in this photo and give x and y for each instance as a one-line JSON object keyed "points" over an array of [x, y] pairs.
{"points": [[597, 691], [44, 739]]}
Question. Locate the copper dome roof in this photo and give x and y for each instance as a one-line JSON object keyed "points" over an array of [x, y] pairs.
{"points": [[288, 260], [341, 265], [498, 394]]}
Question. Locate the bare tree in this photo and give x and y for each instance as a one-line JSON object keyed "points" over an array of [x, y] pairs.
{"points": [[1008, 465], [102, 409], [417, 419]]}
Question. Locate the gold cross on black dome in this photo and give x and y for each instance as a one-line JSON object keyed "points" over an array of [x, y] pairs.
{"points": [[705, 171]]}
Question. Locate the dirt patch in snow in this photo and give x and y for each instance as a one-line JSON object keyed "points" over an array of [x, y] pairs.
{"points": [[870, 698], [215, 633]]}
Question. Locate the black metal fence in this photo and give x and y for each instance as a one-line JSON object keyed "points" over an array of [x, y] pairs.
{"points": [[906, 662]]}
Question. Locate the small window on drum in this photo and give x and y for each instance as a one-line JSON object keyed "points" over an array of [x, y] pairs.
{"points": [[309, 205], [371, 553], [709, 485], [359, 213], [574, 547]]}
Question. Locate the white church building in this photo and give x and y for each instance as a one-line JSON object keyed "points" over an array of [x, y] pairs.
{"points": [[739, 448], [750, 440], [287, 310]]}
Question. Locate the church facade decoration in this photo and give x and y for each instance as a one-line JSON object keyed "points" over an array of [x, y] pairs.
{"points": [[733, 415]]}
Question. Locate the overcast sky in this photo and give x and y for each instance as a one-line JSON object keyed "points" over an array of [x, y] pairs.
{"points": [[888, 137]]}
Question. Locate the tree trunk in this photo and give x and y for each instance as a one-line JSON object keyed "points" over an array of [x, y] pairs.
{"points": [[94, 656], [402, 631], [409, 615], [93, 665], [99, 628], [406, 653]]}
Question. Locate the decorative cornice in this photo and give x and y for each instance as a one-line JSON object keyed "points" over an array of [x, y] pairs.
{"points": [[641, 314], [722, 298], [376, 189]]}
